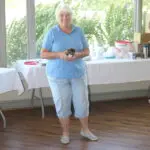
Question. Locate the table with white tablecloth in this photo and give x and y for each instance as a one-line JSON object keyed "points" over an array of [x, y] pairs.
{"points": [[9, 81], [106, 71], [99, 72]]}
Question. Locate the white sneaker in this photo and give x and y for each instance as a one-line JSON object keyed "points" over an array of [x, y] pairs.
{"points": [[65, 140], [89, 136]]}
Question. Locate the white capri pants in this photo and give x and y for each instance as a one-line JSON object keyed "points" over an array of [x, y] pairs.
{"points": [[66, 90]]}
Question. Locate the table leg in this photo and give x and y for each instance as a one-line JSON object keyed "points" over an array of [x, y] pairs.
{"points": [[148, 94], [4, 119], [42, 102], [90, 101], [32, 97]]}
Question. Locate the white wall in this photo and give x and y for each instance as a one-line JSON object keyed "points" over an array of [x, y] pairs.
{"points": [[98, 92], [147, 20]]}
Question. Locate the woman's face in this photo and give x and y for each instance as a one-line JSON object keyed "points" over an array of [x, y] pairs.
{"points": [[65, 19]]}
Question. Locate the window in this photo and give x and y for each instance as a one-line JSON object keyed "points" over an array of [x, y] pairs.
{"points": [[45, 19], [27, 20], [146, 16], [16, 30]]}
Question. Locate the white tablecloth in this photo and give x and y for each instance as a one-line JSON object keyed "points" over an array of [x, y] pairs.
{"points": [[10, 81], [118, 71], [99, 72]]}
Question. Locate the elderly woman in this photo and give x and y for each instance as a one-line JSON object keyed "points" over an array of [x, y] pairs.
{"points": [[66, 73]]}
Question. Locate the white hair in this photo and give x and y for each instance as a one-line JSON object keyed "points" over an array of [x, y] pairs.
{"points": [[62, 8]]}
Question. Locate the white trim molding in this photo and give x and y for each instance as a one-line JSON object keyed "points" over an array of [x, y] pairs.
{"points": [[138, 4], [3, 60], [31, 28]]}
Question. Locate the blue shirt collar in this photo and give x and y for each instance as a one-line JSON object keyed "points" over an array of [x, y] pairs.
{"points": [[73, 28]]}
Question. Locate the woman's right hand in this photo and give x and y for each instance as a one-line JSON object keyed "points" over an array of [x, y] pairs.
{"points": [[45, 54], [62, 55]]}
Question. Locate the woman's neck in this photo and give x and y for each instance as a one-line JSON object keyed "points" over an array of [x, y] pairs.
{"points": [[66, 29]]}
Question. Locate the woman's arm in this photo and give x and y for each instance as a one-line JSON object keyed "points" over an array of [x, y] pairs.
{"points": [[83, 53], [45, 54]]}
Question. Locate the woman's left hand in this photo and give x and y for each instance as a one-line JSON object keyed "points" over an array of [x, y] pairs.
{"points": [[77, 55], [74, 57], [71, 58]]}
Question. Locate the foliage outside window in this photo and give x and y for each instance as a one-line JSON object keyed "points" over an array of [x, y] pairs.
{"points": [[116, 25]]}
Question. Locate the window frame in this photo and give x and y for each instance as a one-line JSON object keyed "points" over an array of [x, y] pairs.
{"points": [[31, 28], [31, 31], [3, 57]]}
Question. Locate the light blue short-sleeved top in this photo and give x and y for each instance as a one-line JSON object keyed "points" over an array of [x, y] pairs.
{"points": [[56, 41]]}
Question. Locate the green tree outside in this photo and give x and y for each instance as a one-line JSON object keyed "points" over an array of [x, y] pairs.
{"points": [[104, 31]]}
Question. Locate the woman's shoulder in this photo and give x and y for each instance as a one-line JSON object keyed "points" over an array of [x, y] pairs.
{"points": [[53, 28], [76, 27], [79, 29]]}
